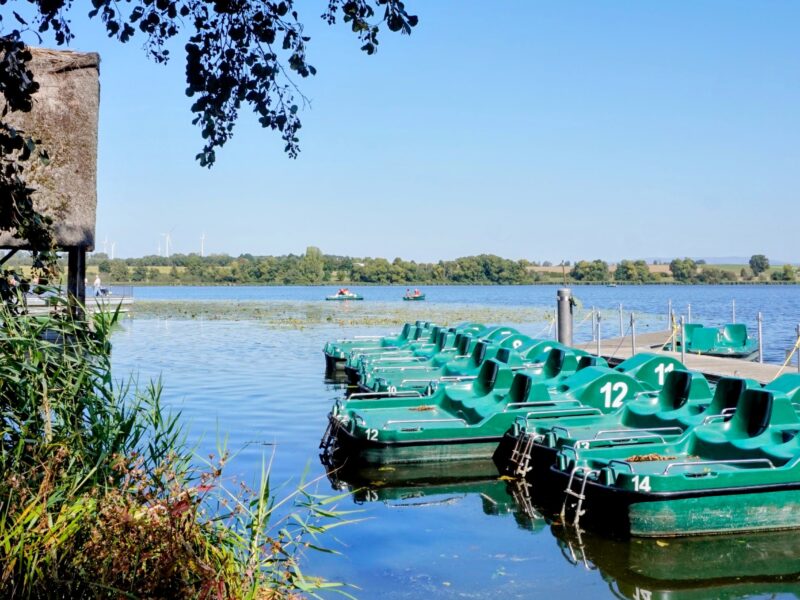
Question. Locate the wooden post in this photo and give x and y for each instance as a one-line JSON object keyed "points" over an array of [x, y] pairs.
{"points": [[76, 279]]}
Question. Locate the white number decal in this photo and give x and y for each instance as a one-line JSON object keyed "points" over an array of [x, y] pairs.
{"points": [[581, 445], [392, 389], [608, 389], [662, 371], [372, 496], [517, 344], [372, 434], [641, 485]]}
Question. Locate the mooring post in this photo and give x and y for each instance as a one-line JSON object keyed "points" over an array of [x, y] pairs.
{"points": [[689, 312], [760, 318], [669, 312], [733, 311], [594, 324], [598, 333], [621, 326], [564, 311], [633, 335], [683, 340]]}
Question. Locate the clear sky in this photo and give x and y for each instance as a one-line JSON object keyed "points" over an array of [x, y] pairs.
{"points": [[541, 130]]}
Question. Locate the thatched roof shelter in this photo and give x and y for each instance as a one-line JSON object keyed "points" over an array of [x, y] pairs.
{"points": [[64, 119]]}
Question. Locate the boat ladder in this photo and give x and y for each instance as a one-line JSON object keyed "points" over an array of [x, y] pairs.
{"points": [[521, 492], [521, 454], [328, 442], [580, 496]]}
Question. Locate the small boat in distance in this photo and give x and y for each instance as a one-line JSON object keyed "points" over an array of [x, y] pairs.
{"points": [[345, 294], [416, 295]]}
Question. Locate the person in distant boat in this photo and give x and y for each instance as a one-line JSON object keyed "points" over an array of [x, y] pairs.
{"points": [[97, 285], [416, 292], [408, 292]]}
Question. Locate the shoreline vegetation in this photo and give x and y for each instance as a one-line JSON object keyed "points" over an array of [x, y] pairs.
{"points": [[315, 268], [102, 497]]}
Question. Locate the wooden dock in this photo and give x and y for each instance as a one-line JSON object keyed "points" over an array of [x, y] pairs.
{"points": [[617, 349]]}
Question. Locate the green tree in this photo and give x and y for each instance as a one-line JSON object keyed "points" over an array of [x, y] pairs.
{"points": [[684, 270], [634, 271], [759, 263], [139, 273], [787, 273], [584, 270], [119, 271]]}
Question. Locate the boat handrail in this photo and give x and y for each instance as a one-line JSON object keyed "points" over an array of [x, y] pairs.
{"points": [[369, 337], [677, 429], [410, 368], [623, 463], [632, 439], [564, 411], [542, 403], [456, 378], [409, 421], [555, 428], [399, 359], [735, 461], [411, 393], [416, 380]]}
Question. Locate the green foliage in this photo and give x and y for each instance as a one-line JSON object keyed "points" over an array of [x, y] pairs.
{"points": [[633, 271], [683, 270], [596, 270], [101, 498], [786, 273], [759, 264], [716, 275]]}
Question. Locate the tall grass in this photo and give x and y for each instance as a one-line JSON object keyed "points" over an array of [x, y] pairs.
{"points": [[101, 497]]}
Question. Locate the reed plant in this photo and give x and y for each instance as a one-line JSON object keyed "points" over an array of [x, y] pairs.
{"points": [[100, 496]]}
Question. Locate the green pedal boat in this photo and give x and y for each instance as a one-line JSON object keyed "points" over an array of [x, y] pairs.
{"points": [[730, 341], [513, 348], [726, 474], [336, 352], [529, 448], [426, 341], [467, 421]]}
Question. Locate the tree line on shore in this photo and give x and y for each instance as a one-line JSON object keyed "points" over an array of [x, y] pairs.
{"points": [[315, 268]]}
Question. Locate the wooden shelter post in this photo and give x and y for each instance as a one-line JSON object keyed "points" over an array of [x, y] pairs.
{"points": [[76, 278]]}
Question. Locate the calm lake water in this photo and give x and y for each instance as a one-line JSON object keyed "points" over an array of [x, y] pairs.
{"points": [[265, 390]]}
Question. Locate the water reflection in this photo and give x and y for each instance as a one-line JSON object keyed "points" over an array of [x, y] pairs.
{"points": [[729, 566]]}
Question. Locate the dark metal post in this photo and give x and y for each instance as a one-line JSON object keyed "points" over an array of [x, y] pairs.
{"points": [[621, 327], [76, 280], [633, 335], [564, 311], [594, 323], [760, 338]]}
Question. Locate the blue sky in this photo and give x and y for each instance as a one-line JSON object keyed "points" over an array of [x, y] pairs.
{"points": [[540, 130]]}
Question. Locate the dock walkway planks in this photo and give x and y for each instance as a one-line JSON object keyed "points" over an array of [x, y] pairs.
{"points": [[619, 348]]}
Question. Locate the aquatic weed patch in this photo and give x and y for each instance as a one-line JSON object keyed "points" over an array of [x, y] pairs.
{"points": [[308, 314]]}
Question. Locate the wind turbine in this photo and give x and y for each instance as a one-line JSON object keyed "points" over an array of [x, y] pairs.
{"points": [[203, 245], [105, 246], [167, 240], [113, 245]]}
